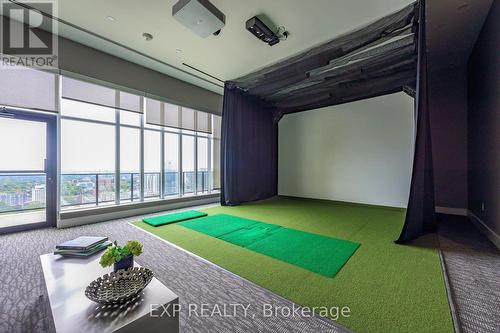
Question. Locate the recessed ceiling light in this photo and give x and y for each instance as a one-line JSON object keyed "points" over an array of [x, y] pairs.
{"points": [[110, 18], [147, 36]]}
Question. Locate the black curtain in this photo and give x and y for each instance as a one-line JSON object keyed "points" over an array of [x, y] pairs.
{"points": [[249, 149], [420, 214]]}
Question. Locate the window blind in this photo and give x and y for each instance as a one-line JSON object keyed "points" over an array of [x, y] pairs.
{"points": [[130, 102], [28, 88], [217, 126], [170, 115], [203, 122], [188, 117], [97, 94]]}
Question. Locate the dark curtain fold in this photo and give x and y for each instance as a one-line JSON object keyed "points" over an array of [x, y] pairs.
{"points": [[249, 149], [420, 214]]}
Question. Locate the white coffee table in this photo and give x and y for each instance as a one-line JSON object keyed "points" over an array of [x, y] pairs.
{"points": [[66, 280]]}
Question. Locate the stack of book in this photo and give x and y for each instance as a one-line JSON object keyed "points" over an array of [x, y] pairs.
{"points": [[82, 247]]}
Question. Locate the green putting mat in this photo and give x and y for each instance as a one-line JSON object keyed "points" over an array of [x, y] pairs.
{"points": [[316, 253], [217, 225], [251, 234], [172, 218], [319, 254]]}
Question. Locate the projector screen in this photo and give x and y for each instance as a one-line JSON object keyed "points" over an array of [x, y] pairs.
{"points": [[356, 152]]}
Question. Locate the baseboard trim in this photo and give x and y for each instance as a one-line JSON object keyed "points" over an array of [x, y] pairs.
{"points": [[451, 211], [492, 236], [347, 203]]}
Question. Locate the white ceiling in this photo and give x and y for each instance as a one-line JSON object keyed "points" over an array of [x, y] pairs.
{"points": [[234, 52], [453, 26]]}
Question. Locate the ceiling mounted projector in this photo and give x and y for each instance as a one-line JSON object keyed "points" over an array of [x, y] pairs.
{"points": [[199, 16], [262, 31]]}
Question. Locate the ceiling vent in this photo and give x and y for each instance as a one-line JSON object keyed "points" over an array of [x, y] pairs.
{"points": [[199, 16]]}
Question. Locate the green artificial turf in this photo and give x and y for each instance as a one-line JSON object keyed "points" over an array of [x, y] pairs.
{"points": [[319, 254], [157, 221], [387, 287]]}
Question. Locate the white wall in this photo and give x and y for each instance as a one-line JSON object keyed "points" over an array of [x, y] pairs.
{"points": [[356, 152]]}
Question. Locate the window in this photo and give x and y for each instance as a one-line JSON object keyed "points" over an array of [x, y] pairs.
{"points": [[130, 118], [215, 152], [117, 146], [29, 148], [71, 108], [110, 154], [203, 169], [171, 165], [188, 180], [87, 163], [22, 170], [152, 163], [215, 165], [130, 163]]}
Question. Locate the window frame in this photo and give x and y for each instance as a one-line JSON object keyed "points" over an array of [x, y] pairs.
{"points": [[143, 127]]}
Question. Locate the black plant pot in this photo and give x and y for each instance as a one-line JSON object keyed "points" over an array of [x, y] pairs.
{"points": [[125, 263]]}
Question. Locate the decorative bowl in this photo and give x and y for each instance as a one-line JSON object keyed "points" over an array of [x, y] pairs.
{"points": [[119, 287]]}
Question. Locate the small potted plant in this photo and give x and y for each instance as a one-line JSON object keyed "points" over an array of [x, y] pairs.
{"points": [[122, 257]]}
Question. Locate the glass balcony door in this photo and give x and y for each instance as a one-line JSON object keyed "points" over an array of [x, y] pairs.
{"points": [[27, 170]]}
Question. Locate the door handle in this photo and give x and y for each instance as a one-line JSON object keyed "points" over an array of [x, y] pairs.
{"points": [[49, 179]]}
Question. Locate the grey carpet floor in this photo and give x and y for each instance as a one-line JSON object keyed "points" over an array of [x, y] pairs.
{"points": [[473, 265]]}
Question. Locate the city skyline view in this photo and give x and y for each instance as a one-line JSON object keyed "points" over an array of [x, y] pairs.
{"points": [[19, 192]]}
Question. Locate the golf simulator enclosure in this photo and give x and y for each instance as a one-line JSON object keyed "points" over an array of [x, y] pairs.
{"points": [[388, 287], [319, 254]]}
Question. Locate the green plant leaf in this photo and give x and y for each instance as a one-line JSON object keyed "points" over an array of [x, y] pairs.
{"points": [[114, 253]]}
